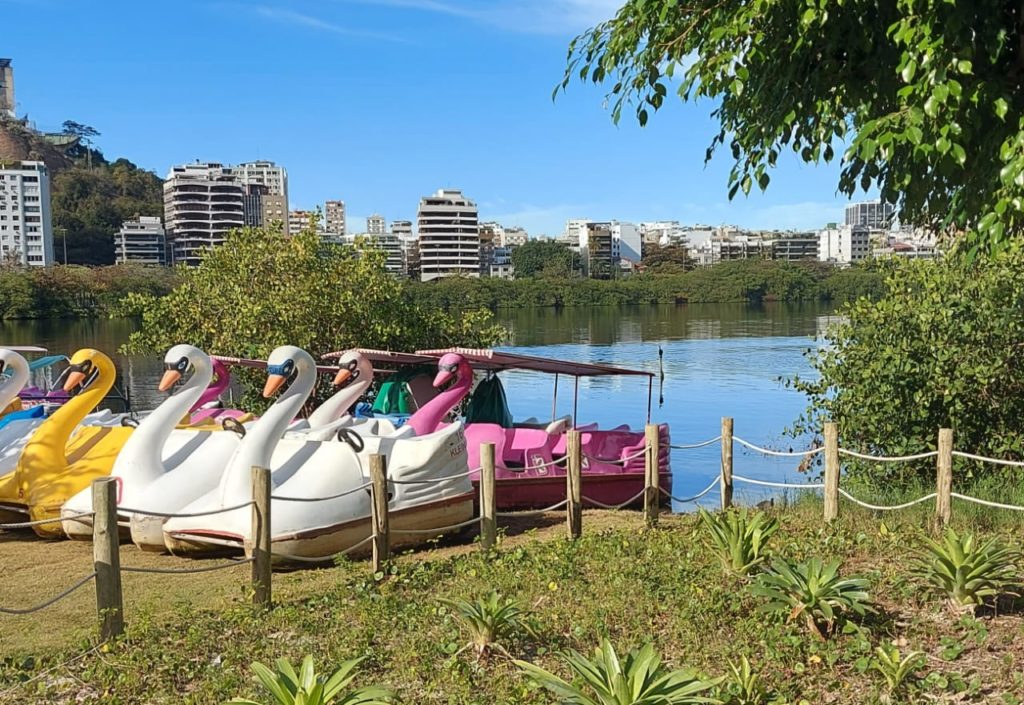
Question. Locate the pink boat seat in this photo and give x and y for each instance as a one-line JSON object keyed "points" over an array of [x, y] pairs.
{"points": [[479, 433], [560, 446]]}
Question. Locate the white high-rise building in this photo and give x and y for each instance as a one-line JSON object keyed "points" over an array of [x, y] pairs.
{"points": [[874, 215], [26, 225], [376, 225], [141, 240], [401, 229], [264, 173], [334, 217], [389, 243], [449, 239], [203, 202], [513, 236], [843, 244], [626, 242]]}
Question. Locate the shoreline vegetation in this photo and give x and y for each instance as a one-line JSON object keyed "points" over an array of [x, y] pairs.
{"points": [[88, 292]]}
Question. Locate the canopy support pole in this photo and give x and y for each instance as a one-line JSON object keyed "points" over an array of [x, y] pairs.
{"points": [[650, 392], [554, 400], [575, 401]]}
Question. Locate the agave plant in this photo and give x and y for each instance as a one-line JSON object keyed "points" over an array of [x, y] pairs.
{"points": [[896, 670], [739, 538], [967, 572], [743, 686], [812, 591], [489, 621], [306, 687], [638, 679]]}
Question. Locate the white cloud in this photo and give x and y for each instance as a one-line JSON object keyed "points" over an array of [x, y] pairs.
{"points": [[283, 16], [528, 16]]}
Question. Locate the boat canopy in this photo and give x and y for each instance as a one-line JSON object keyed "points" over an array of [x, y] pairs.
{"points": [[487, 359], [46, 361], [25, 348]]}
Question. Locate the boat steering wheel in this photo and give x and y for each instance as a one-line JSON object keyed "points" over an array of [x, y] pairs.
{"points": [[233, 425], [347, 435]]}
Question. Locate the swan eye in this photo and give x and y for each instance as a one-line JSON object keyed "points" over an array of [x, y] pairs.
{"points": [[3, 366], [182, 365], [450, 368], [351, 364]]}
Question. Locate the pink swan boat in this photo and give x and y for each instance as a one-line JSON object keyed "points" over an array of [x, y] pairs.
{"points": [[530, 455], [207, 408]]}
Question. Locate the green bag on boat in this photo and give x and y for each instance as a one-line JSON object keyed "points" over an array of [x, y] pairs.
{"points": [[488, 403]]}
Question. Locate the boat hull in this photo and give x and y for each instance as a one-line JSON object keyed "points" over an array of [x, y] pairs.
{"points": [[329, 540]]}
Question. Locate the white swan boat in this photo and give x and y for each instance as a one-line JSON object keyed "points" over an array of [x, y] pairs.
{"points": [[439, 493], [163, 469]]}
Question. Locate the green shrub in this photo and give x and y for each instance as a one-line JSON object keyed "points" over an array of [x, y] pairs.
{"points": [[287, 687], [813, 592], [897, 671], [489, 621], [638, 679], [738, 537], [966, 572]]}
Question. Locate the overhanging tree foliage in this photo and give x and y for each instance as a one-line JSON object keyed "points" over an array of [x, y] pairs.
{"points": [[918, 98]]}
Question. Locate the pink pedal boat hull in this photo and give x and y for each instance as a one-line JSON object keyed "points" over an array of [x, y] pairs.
{"points": [[538, 492]]}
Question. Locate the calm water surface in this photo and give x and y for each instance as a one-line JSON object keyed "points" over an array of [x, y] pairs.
{"points": [[718, 360]]}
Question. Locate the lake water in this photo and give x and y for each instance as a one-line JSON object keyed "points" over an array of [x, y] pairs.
{"points": [[718, 360]]}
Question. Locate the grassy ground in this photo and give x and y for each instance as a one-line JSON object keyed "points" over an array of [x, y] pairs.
{"points": [[190, 638]]}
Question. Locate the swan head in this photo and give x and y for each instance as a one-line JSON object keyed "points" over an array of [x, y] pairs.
{"points": [[12, 363], [450, 366], [283, 364], [178, 361], [353, 366], [84, 368]]}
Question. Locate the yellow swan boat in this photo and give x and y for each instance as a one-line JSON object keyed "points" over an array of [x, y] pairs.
{"points": [[54, 466]]}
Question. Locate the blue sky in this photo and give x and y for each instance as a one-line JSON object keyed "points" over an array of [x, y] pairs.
{"points": [[379, 102]]}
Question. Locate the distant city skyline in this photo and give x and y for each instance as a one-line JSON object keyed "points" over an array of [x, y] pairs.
{"points": [[369, 117]]}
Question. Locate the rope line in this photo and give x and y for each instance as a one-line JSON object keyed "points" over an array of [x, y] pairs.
{"points": [[694, 498], [983, 459], [532, 512], [885, 508], [61, 596], [691, 446], [986, 503], [184, 515], [602, 505], [40, 522], [461, 524], [325, 559], [541, 466], [889, 458], [787, 485], [433, 480], [779, 453], [48, 671], [322, 499], [617, 461], [184, 571]]}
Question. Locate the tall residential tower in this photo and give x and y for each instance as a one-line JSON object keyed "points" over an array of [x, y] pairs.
{"points": [[449, 240], [202, 203], [26, 228]]}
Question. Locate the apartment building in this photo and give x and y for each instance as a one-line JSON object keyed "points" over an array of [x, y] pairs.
{"points": [[203, 202], [376, 225], [843, 244], [334, 218], [26, 225], [449, 242], [874, 215], [141, 240]]}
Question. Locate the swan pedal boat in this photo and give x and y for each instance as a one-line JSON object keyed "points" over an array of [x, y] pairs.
{"points": [[335, 468], [164, 467], [530, 455]]}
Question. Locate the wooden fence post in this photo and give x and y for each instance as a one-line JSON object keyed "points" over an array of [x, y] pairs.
{"points": [[831, 471], [726, 477], [106, 553], [261, 570], [488, 499], [573, 484], [652, 468], [379, 512], [944, 479]]}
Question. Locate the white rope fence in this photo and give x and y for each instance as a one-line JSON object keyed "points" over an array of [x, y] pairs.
{"points": [[532, 512], [692, 446], [42, 522], [585, 500], [778, 453], [439, 530], [986, 503], [783, 485], [983, 459], [694, 498], [325, 559], [52, 600], [884, 507], [888, 458], [616, 461]]}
